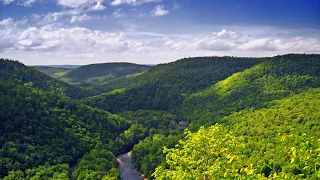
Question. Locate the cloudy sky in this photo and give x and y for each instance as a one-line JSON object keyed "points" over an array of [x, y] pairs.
{"points": [[43, 32]]}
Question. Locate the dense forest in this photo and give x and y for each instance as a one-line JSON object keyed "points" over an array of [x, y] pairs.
{"points": [[163, 87], [195, 118]]}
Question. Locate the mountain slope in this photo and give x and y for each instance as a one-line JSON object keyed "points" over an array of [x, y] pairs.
{"points": [[123, 82], [275, 78], [278, 95], [163, 87], [279, 142], [296, 115], [39, 128], [16, 72]]}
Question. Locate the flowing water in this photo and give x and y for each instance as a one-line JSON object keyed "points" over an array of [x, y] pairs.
{"points": [[127, 170]]}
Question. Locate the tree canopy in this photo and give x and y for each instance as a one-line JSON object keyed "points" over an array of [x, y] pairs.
{"points": [[196, 118]]}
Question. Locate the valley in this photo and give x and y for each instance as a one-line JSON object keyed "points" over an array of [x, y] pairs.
{"points": [[194, 118]]}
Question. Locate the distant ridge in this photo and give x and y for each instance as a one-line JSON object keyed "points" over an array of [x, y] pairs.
{"points": [[77, 66], [60, 66], [106, 71]]}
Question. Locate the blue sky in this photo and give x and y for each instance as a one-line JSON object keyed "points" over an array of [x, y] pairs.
{"points": [[154, 31]]}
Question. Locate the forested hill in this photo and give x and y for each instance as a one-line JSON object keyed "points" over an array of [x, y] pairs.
{"points": [[164, 86], [99, 78], [279, 142], [269, 124], [274, 78], [196, 118], [54, 72], [106, 71], [42, 134], [18, 73]]}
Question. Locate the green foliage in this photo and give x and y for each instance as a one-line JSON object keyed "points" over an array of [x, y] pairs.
{"points": [[295, 115], [304, 155], [147, 154], [53, 71], [154, 121], [268, 110], [215, 153], [163, 87], [118, 83], [97, 164], [289, 157], [255, 88], [126, 140], [37, 128], [46, 172], [250, 104], [210, 153], [18, 73]]}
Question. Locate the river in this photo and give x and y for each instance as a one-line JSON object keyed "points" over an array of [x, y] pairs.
{"points": [[127, 170]]}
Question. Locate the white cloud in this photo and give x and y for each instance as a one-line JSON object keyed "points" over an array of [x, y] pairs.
{"points": [[132, 2], [93, 5], [228, 40], [81, 45], [83, 17], [97, 7], [7, 1], [8, 33], [159, 11], [117, 13], [73, 3], [72, 40], [19, 2], [27, 2], [57, 35], [7, 22], [88, 5], [65, 16], [227, 34], [50, 18], [297, 44]]}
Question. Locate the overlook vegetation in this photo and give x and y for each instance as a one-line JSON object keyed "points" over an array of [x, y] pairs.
{"points": [[196, 118]]}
